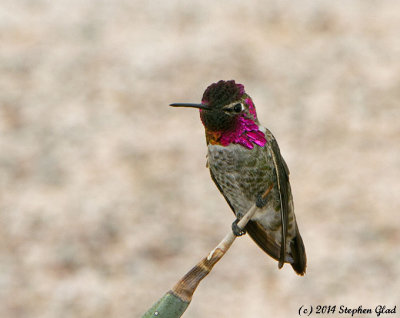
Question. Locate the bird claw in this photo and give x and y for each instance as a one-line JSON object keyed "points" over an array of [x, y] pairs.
{"points": [[260, 201], [238, 231]]}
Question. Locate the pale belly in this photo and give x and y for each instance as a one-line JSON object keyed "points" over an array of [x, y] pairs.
{"points": [[242, 174]]}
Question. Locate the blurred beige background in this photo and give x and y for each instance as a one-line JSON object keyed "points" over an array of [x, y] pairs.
{"points": [[105, 201]]}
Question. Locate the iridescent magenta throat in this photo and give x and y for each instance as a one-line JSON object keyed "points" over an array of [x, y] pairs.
{"points": [[246, 133]]}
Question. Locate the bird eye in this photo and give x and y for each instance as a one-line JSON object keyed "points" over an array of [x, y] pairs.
{"points": [[238, 108]]}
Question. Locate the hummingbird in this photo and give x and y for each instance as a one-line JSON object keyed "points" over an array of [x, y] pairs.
{"points": [[244, 160]]}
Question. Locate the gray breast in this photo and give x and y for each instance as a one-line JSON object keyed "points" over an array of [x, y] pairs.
{"points": [[242, 174]]}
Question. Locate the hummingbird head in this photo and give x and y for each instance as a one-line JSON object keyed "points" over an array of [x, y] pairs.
{"points": [[228, 115]]}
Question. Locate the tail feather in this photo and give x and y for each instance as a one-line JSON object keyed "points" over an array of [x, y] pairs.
{"points": [[297, 257], [299, 254]]}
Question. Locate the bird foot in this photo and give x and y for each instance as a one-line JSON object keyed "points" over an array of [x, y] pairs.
{"points": [[260, 201], [238, 231]]}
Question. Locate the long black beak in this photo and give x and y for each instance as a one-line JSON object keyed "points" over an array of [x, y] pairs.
{"points": [[201, 106]]}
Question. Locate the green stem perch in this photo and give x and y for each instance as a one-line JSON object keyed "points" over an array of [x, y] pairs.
{"points": [[174, 303], [169, 306]]}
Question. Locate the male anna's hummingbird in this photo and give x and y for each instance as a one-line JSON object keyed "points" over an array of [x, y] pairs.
{"points": [[244, 161]]}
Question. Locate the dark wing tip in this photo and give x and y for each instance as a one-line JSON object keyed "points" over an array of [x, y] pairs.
{"points": [[266, 243]]}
